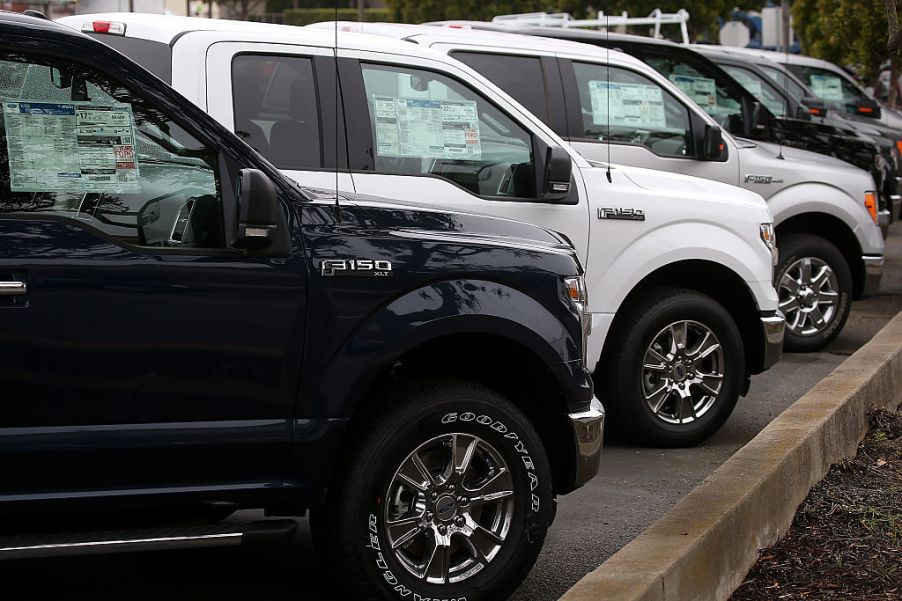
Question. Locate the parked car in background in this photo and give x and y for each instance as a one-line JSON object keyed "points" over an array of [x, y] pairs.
{"points": [[831, 247], [770, 81], [185, 332], [679, 270]]}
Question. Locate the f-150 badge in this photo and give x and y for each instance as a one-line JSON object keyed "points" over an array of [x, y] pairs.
{"points": [[355, 267], [620, 213], [762, 179]]}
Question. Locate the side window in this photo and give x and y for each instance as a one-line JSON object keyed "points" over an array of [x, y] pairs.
{"points": [[707, 92], [77, 144], [832, 88], [276, 111], [424, 123], [519, 76], [632, 109], [760, 88]]}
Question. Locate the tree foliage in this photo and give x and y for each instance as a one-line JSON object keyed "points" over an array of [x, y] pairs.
{"points": [[847, 32]]}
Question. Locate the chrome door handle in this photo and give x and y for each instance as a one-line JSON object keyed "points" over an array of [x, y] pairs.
{"points": [[13, 288]]}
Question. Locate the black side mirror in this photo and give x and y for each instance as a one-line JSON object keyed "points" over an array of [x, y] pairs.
{"points": [[815, 106], [754, 117], [713, 147], [867, 107], [558, 172], [259, 213]]}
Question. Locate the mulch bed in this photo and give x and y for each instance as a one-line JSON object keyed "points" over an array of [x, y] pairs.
{"points": [[846, 540]]}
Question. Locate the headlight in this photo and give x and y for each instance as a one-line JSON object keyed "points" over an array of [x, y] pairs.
{"points": [[769, 237], [578, 297], [870, 203]]}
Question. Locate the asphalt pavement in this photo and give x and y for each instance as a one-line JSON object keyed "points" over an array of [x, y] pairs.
{"points": [[635, 487]]}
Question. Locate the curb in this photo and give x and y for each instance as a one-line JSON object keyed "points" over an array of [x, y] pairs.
{"points": [[703, 547]]}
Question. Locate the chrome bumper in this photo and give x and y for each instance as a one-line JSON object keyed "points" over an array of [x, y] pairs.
{"points": [[873, 273], [588, 434], [884, 218], [895, 206], [773, 328]]}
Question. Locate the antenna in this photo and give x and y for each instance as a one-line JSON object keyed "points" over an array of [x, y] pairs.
{"points": [[607, 46], [337, 103]]}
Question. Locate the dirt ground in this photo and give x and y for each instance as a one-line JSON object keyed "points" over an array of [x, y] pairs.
{"points": [[846, 540]]}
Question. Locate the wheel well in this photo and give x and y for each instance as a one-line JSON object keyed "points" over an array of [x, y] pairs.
{"points": [[718, 282], [502, 365], [837, 233]]}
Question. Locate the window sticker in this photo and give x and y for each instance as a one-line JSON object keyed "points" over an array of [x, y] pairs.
{"points": [[636, 105], [70, 146], [828, 87], [422, 128], [702, 90]]}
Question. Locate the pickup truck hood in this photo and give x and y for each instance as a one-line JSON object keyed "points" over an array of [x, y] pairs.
{"points": [[687, 186], [425, 218], [800, 166]]}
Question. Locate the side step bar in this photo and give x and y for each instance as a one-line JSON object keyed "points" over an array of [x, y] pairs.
{"points": [[21, 547]]}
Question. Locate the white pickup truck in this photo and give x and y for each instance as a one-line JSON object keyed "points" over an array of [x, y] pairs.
{"points": [[825, 210], [679, 269]]}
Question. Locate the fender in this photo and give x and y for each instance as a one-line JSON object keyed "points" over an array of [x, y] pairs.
{"points": [[829, 200], [672, 243], [429, 313]]}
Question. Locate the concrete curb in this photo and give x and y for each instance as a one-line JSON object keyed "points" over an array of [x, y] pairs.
{"points": [[703, 548]]}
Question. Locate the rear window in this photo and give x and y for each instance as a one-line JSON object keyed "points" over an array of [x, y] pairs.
{"points": [[156, 57]]}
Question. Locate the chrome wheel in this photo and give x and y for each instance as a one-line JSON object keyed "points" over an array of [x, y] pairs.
{"points": [[809, 296], [449, 507], [682, 372]]}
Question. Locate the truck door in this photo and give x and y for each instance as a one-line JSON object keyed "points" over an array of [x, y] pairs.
{"points": [[138, 352], [420, 134], [281, 99]]}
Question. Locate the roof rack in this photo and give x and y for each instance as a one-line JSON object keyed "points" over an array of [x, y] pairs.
{"points": [[656, 18]]}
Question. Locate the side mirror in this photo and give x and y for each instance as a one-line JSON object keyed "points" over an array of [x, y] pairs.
{"points": [[754, 117], [558, 173], [867, 107], [713, 147], [259, 213], [815, 106]]}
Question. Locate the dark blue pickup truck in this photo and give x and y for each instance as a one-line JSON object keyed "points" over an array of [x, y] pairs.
{"points": [[184, 329]]}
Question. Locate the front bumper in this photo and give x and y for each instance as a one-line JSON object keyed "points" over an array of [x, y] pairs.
{"points": [[772, 328], [895, 206], [873, 273], [588, 434]]}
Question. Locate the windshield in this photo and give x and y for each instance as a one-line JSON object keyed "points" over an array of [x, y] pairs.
{"points": [[785, 82], [760, 87]]}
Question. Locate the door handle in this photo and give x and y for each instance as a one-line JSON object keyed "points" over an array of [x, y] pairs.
{"points": [[13, 288]]}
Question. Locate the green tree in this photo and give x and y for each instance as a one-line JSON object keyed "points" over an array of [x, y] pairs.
{"points": [[847, 32], [418, 11]]}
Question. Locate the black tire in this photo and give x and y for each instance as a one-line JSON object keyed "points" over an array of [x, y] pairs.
{"points": [[628, 380], [350, 527], [799, 247]]}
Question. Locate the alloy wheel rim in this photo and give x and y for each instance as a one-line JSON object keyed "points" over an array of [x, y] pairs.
{"points": [[449, 508], [809, 296], [682, 372]]}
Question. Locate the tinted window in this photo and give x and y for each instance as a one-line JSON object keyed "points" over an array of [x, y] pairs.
{"points": [[519, 76], [77, 144], [632, 109], [762, 89], [276, 110], [424, 123]]}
